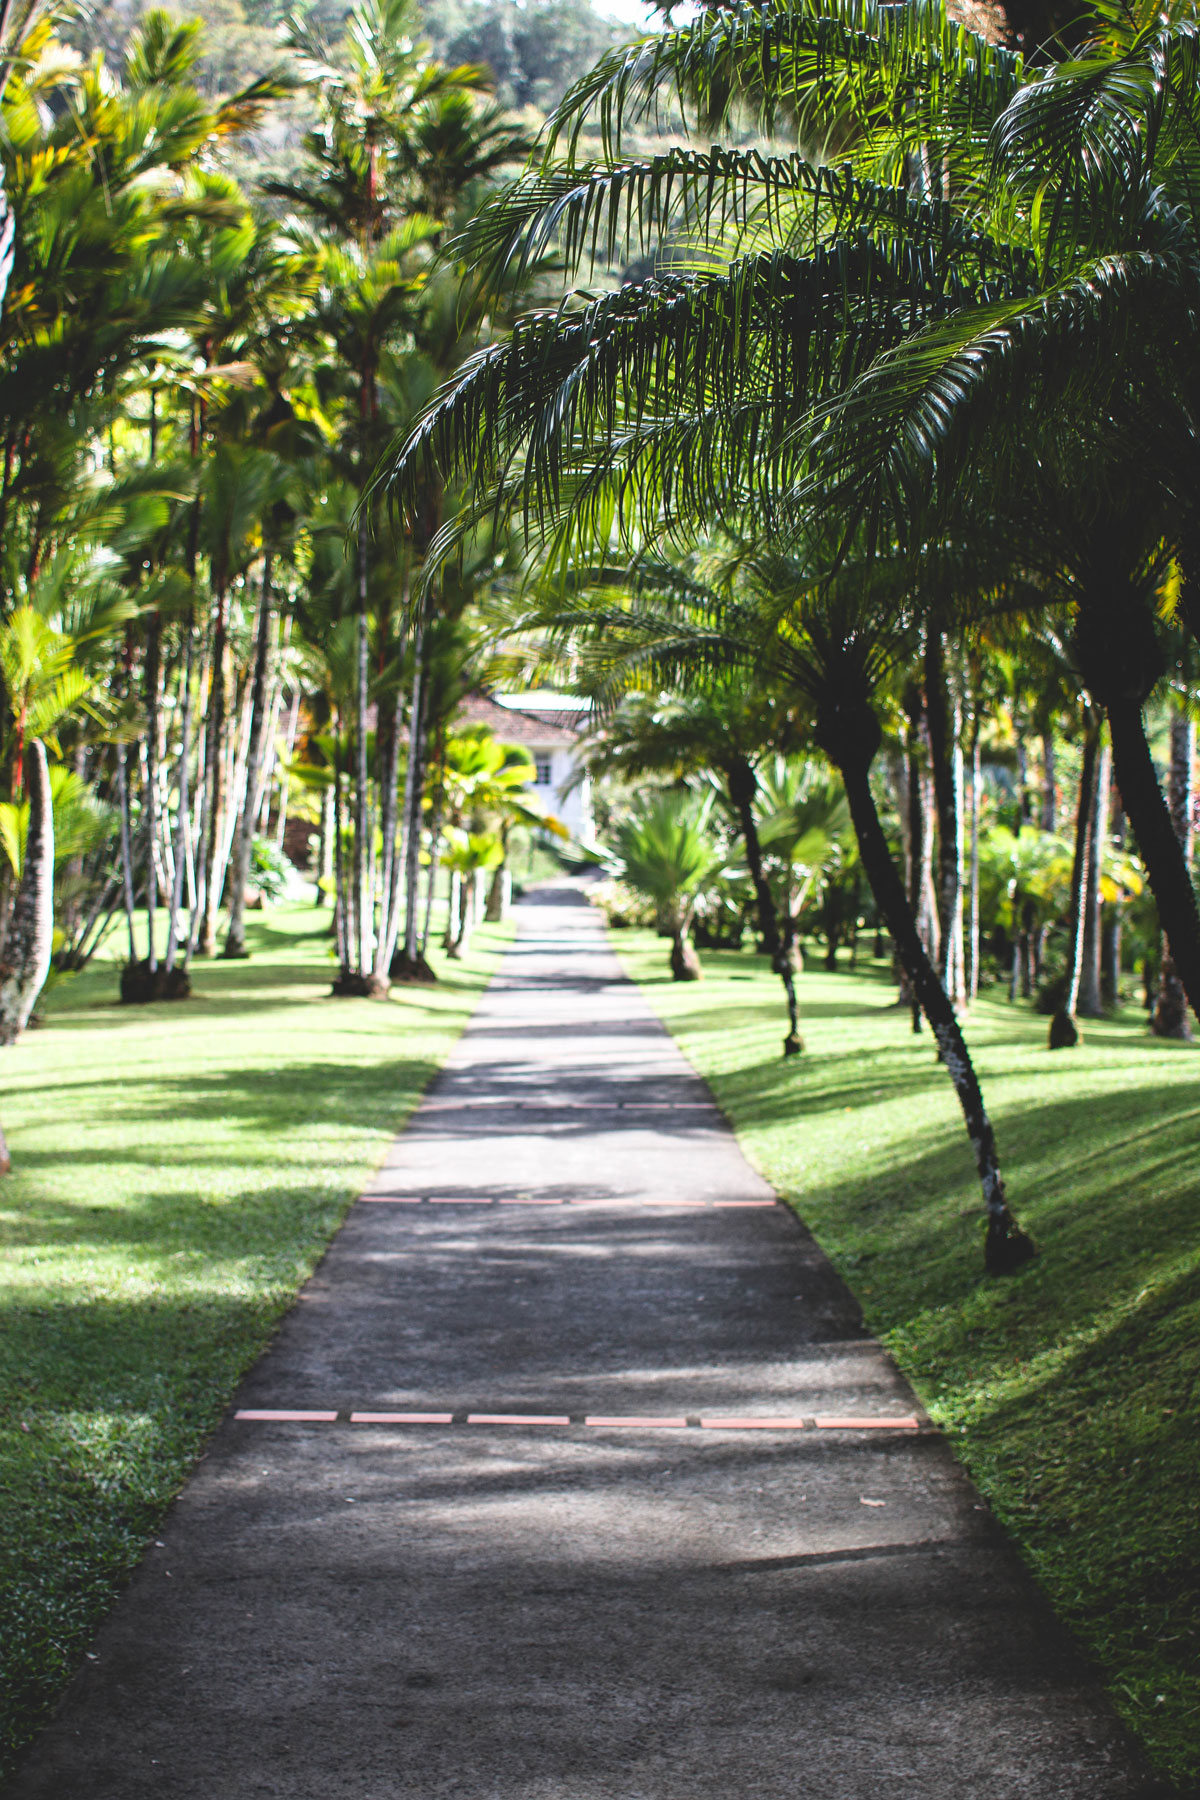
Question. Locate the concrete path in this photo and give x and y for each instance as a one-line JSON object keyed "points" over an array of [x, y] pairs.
{"points": [[696, 1605]]}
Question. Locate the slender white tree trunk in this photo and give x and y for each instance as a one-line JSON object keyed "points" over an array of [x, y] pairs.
{"points": [[239, 874], [30, 938]]}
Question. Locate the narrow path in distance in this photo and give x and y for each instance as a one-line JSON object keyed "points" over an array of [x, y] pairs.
{"points": [[594, 1489]]}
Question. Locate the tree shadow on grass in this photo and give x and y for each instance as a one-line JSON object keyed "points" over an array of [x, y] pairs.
{"points": [[303, 1093], [283, 992]]}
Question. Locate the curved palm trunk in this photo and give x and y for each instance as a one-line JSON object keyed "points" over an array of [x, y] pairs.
{"points": [[467, 901], [1166, 869], [850, 738], [239, 866], [742, 788], [1170, 1018], [1064, 1033], [30, 939], [1120, 659]]}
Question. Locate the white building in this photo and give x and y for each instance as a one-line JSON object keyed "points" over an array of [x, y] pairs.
{"points": [[548, 726]]}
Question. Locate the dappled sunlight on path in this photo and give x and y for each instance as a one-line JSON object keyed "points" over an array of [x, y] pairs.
{"points": [[598, 1490]]}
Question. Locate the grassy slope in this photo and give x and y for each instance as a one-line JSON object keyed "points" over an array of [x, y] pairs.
{"points": [[180, 1169], [1071, 1389]]}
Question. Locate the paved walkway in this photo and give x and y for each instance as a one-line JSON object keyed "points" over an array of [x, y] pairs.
{"points": [[581, 1606]]}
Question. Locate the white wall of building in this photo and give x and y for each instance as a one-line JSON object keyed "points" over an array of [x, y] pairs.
{"points": [[557, 762]]}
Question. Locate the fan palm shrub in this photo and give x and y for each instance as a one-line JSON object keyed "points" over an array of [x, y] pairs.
{"points": [[725, 721], [667, 854]]}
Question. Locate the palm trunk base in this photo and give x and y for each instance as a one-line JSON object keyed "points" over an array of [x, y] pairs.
{"points": [[1171, 1018], [350, 985], [685, 964], [1006, 1246], [793, 1044], [140, 984], [1064, 1032], [414, 971], [234, 952]]}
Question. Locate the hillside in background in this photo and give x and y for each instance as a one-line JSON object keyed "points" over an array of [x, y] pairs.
{"points": [[535, 50]]}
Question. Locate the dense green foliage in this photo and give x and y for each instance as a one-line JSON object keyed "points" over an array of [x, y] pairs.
{"points": [[536, 51], [150, 1250]]}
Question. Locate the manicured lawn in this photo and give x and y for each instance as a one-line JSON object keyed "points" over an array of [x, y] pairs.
{"points": [[179, 1169], [1072, 1390]]}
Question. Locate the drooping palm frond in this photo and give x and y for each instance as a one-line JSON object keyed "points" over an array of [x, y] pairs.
{"points": [[827, 67], [896, 444], [684, 391], [601, 212]]}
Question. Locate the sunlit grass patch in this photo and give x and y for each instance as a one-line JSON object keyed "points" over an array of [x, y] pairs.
{"points": [[179, 1169], [1072, 1390]]}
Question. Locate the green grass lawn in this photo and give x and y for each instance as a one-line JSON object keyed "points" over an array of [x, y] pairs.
{"points": [[1072, 1390], [179, 1169]]}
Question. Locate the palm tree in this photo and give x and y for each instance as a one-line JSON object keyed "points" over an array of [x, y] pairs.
{"points": [[667, 854], [803, 820], [829, 641], [723, 721], [29, 939], [241, 485], [859, 333]]}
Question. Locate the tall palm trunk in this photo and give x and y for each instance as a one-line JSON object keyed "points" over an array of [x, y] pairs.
{"points": [[1170, 1017], [324, 846], [916, 833], [341, 921], [973, 906], [468, 900], [363, 910], [289, 745], [392, 833], [409, 964], [29, 941], [153, 644], [126, 834], [743, 786], [239, 868], [1049, 782], [943, 714], [850, 735], [1064, 1032], [435, 841], [183, 806], [1091, 997], [216, 779]]}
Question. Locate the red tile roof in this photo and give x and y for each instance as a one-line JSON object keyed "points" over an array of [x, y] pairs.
{"points": [[543, 731]]}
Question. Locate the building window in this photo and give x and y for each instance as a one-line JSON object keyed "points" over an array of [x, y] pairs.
{"points": [[542, 766]]}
